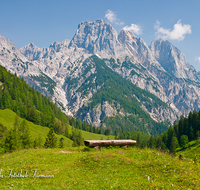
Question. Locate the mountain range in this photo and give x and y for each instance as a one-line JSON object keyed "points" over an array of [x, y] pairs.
{"points": [[109, 80]]}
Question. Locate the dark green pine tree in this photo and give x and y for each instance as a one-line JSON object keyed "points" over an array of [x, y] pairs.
{"points": [[180, 127], [3, 131], [138, 144], [39, 141], [61, 144], [51, 140], [174, 145], [159, 142], [116, 137], [151, 142], [80, 139], [184, 141], [10, 141], [191, 133], [24, 134], [16, 133], [67, 132]]}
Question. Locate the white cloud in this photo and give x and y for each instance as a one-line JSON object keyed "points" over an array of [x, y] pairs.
{"points": [[197, 59], [134, 28], [112, 17], [178, 33]]}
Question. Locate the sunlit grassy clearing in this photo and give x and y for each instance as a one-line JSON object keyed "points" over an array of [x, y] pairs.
{"points": [[7, 118], [116, 168]]}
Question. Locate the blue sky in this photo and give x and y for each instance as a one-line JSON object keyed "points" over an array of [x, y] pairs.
{"points": [[46, 21]]}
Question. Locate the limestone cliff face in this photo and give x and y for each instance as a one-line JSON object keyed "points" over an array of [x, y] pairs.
{"points": [[32, 52], [173, 60], [66, 66], [97, 37], [136, 47]]}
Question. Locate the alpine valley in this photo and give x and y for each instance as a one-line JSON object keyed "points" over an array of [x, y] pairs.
{"points": [[109, 80]]}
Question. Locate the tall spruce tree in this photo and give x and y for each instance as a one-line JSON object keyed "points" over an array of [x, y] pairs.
{"points": [[24, 134], [61, 145], [174, 145], [51, 140]]}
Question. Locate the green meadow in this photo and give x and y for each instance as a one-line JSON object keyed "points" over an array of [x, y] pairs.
{"points": [[7, 118], [191, 152], [108, 168]]}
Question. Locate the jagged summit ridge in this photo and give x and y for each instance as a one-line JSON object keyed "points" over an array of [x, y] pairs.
{"points": [[32, 52], [97, 37], [173, 60]]}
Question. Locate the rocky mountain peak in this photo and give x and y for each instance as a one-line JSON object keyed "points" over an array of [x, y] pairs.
{"points": [[172, 60], [32, 45], [5, 42], [136, 47], [97, 37], [32, 52], [126, 37]]}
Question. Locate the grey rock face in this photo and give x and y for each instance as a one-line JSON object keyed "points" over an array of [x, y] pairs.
{"points": [[97, 37], [173, 60], [136, 48], [32, 52]]}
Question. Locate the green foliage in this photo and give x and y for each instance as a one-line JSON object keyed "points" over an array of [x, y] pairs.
{"points": [[151, 142], [18, 137], [38, 133], [174, 145], [3, 131], [191, 151], [184, 141], [61, 145], [77, 138], [185, 130], [51, 140], [141, 137], [10, 141]]}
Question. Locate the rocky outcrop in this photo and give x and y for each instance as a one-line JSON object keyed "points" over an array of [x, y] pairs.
{"points": [[97, 37], [98, 113], [33, 52], [173, 60]]}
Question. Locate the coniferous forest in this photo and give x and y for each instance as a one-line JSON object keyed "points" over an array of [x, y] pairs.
{"points": [[31, 105], [183, 131]]}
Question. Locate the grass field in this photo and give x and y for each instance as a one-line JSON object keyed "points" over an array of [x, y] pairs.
{"points": [[191, 152], [85, 168], [7, 118], [109, 168]]}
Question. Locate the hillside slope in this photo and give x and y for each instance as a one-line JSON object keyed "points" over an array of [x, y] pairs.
{"points": [[7, 119]]}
